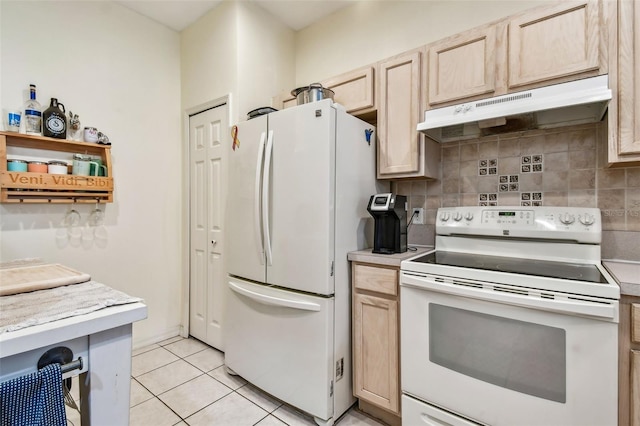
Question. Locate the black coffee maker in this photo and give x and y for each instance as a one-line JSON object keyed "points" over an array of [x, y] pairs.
{"points": [[390, 230]]}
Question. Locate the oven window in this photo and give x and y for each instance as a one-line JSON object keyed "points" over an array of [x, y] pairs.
{"points": [[517, 355]]}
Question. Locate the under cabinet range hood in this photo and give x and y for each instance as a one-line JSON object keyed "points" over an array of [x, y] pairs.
{"points": [[575, 102]]}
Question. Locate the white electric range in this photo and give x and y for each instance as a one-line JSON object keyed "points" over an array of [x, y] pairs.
{"points": [[511, 320]]}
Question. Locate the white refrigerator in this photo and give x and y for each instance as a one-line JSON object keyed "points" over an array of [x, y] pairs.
{"points": [[300, 180]]}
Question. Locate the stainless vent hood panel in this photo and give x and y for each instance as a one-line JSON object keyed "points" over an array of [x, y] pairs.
{"points": [[575, 102]]}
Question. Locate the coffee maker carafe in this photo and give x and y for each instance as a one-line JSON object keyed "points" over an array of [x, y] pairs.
{"points": [[389, 212]]}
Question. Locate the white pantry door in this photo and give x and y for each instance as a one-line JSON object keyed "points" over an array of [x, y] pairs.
{"points": [[208, 134]]}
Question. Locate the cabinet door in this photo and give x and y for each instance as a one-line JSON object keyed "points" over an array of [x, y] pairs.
{"points": [[398, 113], [554, 42], [624, 140], [635, 388], [375, 351], [353, 90], [462, 66]]}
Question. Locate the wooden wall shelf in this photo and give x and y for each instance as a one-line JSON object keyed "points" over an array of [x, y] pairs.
{"points": [[25, 187]]}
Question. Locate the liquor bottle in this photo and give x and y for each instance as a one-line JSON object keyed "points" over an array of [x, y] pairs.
{"points": [[54, 121], [32, 113]]}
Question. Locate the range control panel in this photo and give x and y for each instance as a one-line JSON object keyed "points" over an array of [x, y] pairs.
{"points": [[562, 223]]}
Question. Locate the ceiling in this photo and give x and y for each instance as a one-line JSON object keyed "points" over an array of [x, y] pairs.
{"points": [[179, 14]]}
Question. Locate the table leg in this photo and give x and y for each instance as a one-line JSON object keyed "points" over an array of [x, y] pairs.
{"points": [[105, 390]]}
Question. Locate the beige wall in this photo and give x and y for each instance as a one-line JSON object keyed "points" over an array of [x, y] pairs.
{"points": [[265, 58], [208, 57], [370, 31], [121, 73], [237, 49]]}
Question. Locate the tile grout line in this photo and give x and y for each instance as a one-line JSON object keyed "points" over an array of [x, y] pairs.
{"points": [[181, 358], [246, 385]]}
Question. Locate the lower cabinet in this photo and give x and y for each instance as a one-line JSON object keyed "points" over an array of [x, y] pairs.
{"points": [[376, 340], [629, 362], [634, 394]]}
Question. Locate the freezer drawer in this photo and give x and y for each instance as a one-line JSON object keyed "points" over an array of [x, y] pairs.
{"points": [[282, 342]]}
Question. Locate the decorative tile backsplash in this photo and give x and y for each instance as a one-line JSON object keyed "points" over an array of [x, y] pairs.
{"points": [[531, 199], [487, 167], [531, 163], [555, 167]]}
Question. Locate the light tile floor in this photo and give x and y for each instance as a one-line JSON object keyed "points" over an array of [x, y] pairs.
{"points": [[184, 382]]}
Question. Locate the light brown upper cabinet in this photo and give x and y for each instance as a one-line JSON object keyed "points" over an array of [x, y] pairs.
{"points": [[402, 151], [538, 47], [354, 90], [624, 80], [554, 42], [462, 66]]}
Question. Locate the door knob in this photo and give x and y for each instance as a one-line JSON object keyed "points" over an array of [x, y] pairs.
{"points": [[214, 242]]}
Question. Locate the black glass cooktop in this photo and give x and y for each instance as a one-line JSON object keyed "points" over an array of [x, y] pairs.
{"points": [[541, 268]]}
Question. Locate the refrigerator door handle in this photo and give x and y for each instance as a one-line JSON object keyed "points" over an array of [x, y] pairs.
{"points": [[273, 300], [257, 199], [266, 184]]}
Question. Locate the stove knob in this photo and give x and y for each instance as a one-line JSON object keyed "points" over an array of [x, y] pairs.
{"points": [[567, 218], [469, 216], [444, 216], [457, 216], [587, 219]]}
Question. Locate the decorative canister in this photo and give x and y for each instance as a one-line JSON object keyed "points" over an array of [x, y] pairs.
{"points": [[16, 165], [37, 167], [90, 134], [57, 167], [82, 165]]}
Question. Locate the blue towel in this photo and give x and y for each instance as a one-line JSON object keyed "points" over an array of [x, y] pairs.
{"points": [[36, 399]]}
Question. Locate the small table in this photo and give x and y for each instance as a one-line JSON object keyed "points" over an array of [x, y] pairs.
{"points": [[102, 338]]}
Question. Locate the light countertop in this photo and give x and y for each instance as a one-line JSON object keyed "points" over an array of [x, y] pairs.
{"points": [[627, 274], [367, 256]]}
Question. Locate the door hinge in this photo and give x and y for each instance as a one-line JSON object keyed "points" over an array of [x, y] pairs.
{"points": [[331, 389], [332, 268]]}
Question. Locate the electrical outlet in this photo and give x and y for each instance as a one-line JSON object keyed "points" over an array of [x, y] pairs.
{"points": [[418, 216]]}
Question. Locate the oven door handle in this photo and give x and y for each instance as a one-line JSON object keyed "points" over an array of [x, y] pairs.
{"points": [[581, 307]]}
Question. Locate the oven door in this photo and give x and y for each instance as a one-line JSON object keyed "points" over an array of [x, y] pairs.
{"points": [[500, 359]]}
